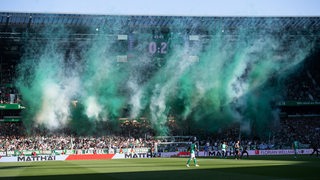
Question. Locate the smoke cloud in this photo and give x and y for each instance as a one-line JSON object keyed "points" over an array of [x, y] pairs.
{"points": [[220, 78]]}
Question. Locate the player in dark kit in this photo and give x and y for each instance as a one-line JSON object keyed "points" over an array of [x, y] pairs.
{"points": [[237, 150], [315, 146], [244, 151]]}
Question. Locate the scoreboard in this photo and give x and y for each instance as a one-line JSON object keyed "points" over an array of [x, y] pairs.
{"points": [[157, 46], [152, 44]]}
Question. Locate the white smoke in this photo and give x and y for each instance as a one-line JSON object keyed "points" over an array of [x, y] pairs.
{"points": [[135, 98], [55, 103], [93, 108], [174, 70]]}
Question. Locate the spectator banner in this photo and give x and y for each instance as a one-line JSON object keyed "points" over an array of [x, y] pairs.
{"points": [[11, 106], [299, 103]]}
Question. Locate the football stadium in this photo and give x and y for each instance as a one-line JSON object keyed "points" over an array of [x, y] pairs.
{"points": [[159, 97]]}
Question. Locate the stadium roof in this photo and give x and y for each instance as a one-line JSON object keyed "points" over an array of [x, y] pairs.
{"points": [[14, 25], [32, 19]]}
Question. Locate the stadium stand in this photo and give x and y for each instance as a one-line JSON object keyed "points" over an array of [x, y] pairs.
{"points": [[302, 121]]}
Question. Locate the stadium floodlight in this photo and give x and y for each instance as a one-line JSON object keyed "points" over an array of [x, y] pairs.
{"points": [[122, 58], [194, 38], [122, 37], [194, 58]]}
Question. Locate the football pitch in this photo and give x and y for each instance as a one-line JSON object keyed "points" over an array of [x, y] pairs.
{"points": [[267, 167]]}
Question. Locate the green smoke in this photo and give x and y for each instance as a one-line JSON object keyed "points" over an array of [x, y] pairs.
{"points": [[212, 81]]}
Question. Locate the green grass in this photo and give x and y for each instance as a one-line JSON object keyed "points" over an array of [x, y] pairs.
{"points": [[268, 167]]}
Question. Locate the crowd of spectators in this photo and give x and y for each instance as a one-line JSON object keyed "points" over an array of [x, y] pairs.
{"points": [[305, 129], [304, 87], [67, 142], [13, 137], [9, 95]]}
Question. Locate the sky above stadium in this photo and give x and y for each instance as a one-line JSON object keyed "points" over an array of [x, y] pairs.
{"points": [[167, 7]]}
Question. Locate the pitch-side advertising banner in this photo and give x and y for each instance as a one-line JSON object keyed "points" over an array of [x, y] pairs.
{"points": [[139, 155]]}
